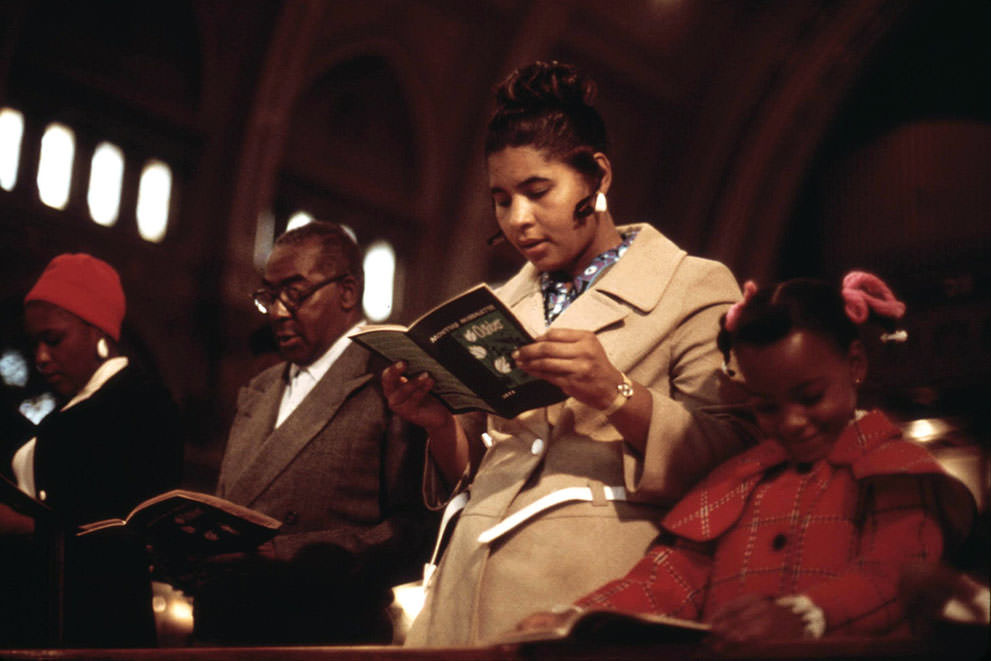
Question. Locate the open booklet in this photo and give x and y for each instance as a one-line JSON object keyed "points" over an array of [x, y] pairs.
{"points": [[609, 626], [193, 523], [465, 344]]}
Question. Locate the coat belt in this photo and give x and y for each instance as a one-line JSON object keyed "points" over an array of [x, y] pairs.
{"points": [[553, 499]]}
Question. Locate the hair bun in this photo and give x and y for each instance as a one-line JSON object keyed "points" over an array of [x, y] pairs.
{"points": [[546, 84]]}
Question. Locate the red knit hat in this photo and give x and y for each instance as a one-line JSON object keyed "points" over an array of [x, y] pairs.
{"points": [[85, 286]]}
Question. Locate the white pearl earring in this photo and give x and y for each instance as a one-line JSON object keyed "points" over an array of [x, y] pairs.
{"points": [[102, 350]]}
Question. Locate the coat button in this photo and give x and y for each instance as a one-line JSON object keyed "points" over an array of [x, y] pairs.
{"points": [[537, 447], [779, 542], [291, 518]]}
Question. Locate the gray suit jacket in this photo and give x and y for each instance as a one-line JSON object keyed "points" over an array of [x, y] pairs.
{"points": [[340, 471]]}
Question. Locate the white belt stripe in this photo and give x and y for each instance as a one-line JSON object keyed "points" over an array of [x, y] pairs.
{"points": [[568, 494]]}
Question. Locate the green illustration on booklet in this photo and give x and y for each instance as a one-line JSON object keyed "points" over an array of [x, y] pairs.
{"points": [[466, 345], [491, 340]]}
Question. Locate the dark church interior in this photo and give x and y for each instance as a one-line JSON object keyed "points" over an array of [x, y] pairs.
{"points": [[782, 138]]}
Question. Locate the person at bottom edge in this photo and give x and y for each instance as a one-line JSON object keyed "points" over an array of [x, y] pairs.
{"points": [[114, 441], [809, 533], [562, 497], [314, 445]]}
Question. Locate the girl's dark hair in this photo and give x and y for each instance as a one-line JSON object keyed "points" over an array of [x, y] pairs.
{"points": [[548, 106], [800, 304]]}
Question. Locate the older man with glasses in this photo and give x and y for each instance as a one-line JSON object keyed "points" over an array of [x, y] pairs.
{"points": [[314, 445]]}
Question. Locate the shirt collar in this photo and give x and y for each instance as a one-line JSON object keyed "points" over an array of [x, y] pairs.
{"points": [[319, 367], [100, 376], [559, 289]]}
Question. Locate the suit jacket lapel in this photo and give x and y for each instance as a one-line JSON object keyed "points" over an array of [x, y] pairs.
{"points": [[319, 407], [257, 408]]}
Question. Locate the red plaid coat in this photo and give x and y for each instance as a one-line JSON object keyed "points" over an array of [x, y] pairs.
{"points": [[838, 531]]}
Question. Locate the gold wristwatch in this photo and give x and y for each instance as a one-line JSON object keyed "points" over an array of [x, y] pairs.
{"points": [[624, 391]]}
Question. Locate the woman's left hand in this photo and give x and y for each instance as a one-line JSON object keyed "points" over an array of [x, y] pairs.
{"points": [[755, 617], [575, 362]]}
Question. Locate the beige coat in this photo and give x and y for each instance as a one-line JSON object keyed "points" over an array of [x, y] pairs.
{"points": [[656, 314]]}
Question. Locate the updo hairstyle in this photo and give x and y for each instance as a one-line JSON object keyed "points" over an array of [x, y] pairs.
{"points": [[548, 106]]}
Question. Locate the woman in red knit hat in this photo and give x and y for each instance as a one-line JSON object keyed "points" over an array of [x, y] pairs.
{"points": [[113, 442]]}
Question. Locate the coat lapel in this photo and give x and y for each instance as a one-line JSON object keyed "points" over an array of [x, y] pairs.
{"points": [[283, 444], [257, 407], [711, 508], [620, 292], [623, 286], [610, 298]]}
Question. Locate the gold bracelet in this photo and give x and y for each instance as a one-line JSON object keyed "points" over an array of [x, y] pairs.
{"points": [[624, 391]]}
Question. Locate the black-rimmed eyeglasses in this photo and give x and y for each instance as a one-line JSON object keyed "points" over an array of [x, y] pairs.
{"points": [[291, 296]]}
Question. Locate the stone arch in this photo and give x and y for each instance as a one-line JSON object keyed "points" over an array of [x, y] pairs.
{"points": [[745, 188], [418, 106]]}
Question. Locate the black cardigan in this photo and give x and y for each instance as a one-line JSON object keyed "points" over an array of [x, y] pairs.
{"points": [[106, 454], [96, 460]]}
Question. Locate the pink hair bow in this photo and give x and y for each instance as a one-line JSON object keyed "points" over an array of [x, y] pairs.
{"points": [[733, 314], [865, 293]]}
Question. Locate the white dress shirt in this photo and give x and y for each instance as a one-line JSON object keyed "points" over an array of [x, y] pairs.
{"points": [[302, 378]]}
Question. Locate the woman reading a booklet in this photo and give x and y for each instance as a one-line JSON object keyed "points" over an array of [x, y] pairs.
{"points": [[812, 531], [113, 442], [563, 496]]}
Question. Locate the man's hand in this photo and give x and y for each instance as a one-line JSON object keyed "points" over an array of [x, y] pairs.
{"points": [[410, 398]]}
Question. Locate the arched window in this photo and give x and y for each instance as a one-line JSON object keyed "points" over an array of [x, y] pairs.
{"points": [[380, 272], [11, 133], [58, 146], [106, 175], [154, 194]]}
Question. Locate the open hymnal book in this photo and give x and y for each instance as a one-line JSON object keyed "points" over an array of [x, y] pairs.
{"points": [[193, 523], [609, 626], [466, 345]]}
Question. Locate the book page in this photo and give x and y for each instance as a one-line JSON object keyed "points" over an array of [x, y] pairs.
{"points": [[601, 625], [394, 345], [474, 335], [184, 527], [181, 523], [99, 525], [178, 499]]}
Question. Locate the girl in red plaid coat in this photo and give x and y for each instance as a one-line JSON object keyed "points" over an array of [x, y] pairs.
{"points": [[808, 532]]}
